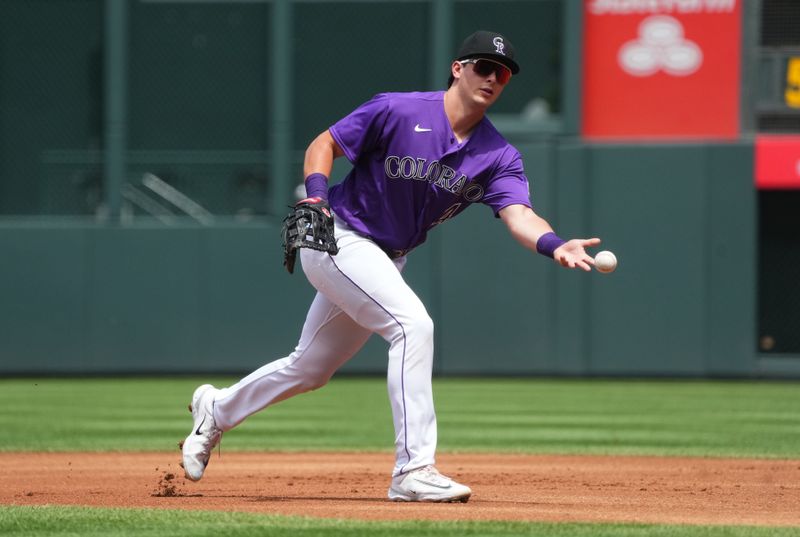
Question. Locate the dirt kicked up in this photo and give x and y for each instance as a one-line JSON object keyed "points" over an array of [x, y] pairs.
{"points": [[667, 490]]}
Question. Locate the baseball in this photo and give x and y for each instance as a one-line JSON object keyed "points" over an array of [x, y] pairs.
{"points": [[605, 261]]}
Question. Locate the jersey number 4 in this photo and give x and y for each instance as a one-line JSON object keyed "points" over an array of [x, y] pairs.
{"points": [[447, 215]]}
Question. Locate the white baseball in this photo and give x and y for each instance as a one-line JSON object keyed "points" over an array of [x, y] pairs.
{"points": [[605, 261]]}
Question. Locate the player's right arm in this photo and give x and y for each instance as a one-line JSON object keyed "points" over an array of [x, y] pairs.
{"points": [[528, 228]]}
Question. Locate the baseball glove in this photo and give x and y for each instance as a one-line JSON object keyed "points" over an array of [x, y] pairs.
{"points": [[309, 225]]}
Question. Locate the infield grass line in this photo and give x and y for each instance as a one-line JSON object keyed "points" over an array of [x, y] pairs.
{"points": [[45, 521], [534, 416]]}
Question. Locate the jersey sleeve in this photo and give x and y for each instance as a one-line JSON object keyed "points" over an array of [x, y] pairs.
{"points": [[361, 130], [509, 186]]}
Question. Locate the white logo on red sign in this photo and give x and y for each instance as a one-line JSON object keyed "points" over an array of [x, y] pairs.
{"points": [[661, 45]]}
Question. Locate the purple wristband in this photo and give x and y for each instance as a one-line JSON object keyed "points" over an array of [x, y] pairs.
{"points": [[317, 186], [548, 243]]}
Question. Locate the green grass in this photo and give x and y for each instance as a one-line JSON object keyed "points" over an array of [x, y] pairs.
{"points": [[736, 418], [66, 521]]}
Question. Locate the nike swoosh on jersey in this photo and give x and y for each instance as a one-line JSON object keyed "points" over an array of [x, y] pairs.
{"points": [[417, 128]]}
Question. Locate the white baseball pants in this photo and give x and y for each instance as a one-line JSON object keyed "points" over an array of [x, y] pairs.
{"points": [[359, 291]]}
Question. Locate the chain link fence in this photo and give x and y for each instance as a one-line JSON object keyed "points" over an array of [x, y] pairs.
{"points": [[199, 92], [50, 98]]}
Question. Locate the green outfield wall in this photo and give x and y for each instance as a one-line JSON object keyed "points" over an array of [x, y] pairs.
{"points": [[79, 297]]}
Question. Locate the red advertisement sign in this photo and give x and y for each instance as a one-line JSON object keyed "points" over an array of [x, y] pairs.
{"points": [[661, 69], [777, 162]]}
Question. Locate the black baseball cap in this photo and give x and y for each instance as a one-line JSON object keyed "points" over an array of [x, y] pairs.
{"points": [[491, 45]]}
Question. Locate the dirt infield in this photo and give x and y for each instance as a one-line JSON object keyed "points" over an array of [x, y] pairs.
{"points": [[353, 485]]}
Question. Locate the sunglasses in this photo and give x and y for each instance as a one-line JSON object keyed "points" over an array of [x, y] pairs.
{"points": [[484, 67]]}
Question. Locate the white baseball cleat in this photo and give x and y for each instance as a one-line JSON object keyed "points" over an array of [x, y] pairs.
{"points": [[426, 484], [204, 436]]}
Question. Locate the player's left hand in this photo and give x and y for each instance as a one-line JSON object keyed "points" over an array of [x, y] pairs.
{"points": [[308, 225], [572, 254]]}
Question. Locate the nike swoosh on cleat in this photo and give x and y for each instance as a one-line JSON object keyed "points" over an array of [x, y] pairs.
{"points": [[197, 432], [417, 128], [432, 484]]}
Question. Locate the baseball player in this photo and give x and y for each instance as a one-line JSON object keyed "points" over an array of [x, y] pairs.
{"points": [[419, 159]]}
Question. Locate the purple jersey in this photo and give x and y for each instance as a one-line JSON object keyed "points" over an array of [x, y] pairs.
{"points": [[410, 173]]}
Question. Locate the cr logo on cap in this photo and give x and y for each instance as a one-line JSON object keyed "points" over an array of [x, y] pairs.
{"points": [[499, 45]]}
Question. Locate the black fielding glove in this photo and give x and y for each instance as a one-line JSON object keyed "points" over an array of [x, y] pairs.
{"points": [[309, 225]]}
